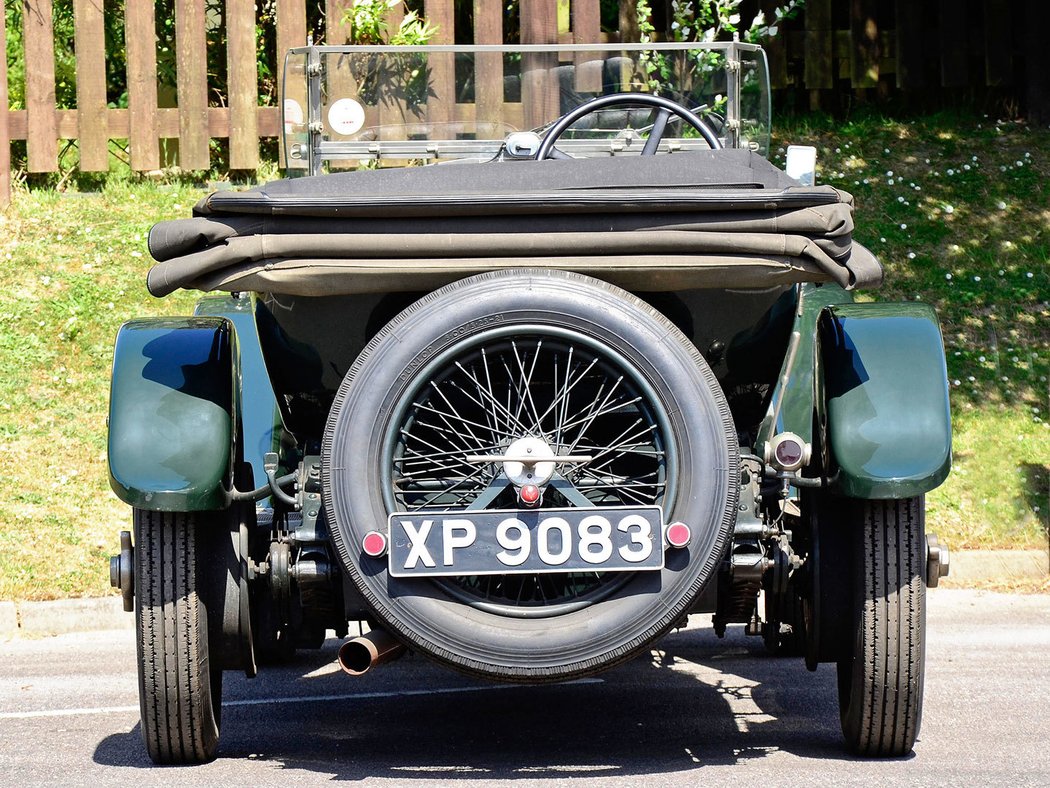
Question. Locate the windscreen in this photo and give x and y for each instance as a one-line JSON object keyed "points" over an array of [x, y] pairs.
{"points": [[391, 106]]}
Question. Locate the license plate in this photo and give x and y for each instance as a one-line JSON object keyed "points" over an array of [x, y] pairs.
{"points": [[499, 542]]}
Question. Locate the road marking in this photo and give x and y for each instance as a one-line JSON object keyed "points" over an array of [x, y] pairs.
{"points": [[25, 715]]}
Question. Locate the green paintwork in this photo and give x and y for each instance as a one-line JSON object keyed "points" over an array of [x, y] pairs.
{"points": [[866, 386], [796, 394], [261, 424], [886, 388], [172, 419]]}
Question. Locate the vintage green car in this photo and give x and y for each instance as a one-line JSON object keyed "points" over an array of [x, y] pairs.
{"points": [[551, 359]]}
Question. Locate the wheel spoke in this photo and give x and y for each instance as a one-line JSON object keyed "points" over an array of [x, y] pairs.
{"points": [[563, 400], [430, 445], [513, 423], [608, 410], [545, 388], [455, 416], [452, 409]]}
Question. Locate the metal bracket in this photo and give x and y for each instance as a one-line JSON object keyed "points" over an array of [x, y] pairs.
{"points": [[938, 561], [312, 528], [122, 571]]}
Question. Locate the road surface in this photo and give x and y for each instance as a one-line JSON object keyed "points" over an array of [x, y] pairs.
{"points": [[697, 710]]}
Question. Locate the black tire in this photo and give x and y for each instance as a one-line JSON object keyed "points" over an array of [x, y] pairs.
{"points": [[881, 678], [547, 642], [179, 692]]}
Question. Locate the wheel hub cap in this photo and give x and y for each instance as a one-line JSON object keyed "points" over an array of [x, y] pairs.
{"points": [[536, 472]]}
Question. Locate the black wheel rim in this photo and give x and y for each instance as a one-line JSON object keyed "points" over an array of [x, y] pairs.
{"points": [[566, 388]]}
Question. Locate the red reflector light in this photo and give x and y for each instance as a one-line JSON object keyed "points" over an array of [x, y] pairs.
{"points": [[374, 544], [789, 453], [529, 494], [678, 535]]}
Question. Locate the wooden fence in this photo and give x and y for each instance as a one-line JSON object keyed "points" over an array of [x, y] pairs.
{"points": [[833, 45]]}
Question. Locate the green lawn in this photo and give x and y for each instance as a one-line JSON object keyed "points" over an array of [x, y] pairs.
{"points": [[958, 208]]}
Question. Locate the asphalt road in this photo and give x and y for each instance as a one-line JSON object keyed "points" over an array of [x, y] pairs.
{"points": [[698, 710]]}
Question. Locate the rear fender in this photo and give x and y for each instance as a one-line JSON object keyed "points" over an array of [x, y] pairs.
{"points": [[173, 413], [886, 398]]}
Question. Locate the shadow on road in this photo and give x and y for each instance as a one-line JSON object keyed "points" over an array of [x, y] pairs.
{"points": [[695, 701]]}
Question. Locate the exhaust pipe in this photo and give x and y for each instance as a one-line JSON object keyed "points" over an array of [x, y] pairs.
{"points": [[358, 655]]}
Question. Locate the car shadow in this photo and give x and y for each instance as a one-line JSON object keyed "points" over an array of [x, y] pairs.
{"points": [[692, 702]]}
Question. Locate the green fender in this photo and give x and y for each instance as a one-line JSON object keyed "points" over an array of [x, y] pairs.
{"points": [[886, 397], [173, 413]]}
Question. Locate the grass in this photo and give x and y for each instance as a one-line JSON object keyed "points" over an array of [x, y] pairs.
{"points": [[77, 262], [76, 265], [958, 210]]}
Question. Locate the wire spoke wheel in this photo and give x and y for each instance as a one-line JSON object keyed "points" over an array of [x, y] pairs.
{"points": [[576, 399]]}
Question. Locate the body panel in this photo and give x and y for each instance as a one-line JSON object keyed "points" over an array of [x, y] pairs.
{"points": [[261, 424], [796, 396]]}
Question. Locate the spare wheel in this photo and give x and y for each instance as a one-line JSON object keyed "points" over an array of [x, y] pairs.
{"points": [[545, 361]]}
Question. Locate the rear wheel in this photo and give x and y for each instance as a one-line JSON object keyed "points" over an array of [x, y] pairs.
{"points": [[881, 674], [180, 688]]}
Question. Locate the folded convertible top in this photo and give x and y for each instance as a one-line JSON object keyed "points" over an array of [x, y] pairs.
{"points": [[698, 219]]}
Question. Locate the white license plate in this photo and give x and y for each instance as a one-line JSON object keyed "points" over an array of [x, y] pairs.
{"points": [[529, 541]]}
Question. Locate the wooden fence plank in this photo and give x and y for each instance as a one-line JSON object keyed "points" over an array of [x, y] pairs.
{"points": [[191, 56], [866, 51], [243, 75], [393, 111], [90, 38], [442, 66], [5, 135], [336, 31], [539, 86], [953, 27], [38, 35], [1036, 17], [998, 46], [291, 26], [629, 21], [291, 32], [141, 42], [776, 49], [488, 69], [119, 127], [818, 73], [587, 29], [912, 44]]}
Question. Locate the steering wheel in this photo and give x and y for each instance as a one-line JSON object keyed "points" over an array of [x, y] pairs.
{"points": [[666, 108]]}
